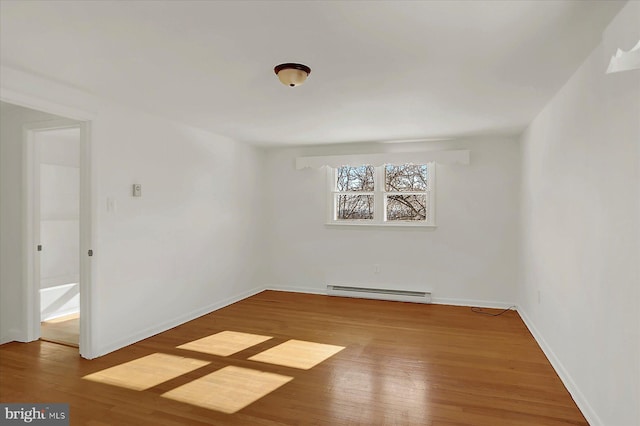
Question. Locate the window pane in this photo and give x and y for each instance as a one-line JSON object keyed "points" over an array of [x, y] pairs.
{"points": [[353, 207], [407, 177], [355, 178], [407, 207]]}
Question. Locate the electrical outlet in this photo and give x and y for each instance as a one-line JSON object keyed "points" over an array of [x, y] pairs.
{"points": [[376, 268], [137, 190]]}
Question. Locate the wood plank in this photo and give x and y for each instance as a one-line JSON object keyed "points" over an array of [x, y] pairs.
{"points": [[402, 363]]}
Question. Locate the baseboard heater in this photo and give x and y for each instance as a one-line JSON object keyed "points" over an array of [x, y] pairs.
{"points": [[380, 293]]}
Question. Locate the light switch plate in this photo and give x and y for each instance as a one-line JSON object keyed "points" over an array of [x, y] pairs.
{"points": [[137, 190]]}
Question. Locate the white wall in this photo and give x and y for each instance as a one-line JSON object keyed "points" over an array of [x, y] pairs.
{"points": [[59, 221], [59, 206], [58, 301], [580, 214], [59, 224], [12, 120], [470, 258], [190, 244]]}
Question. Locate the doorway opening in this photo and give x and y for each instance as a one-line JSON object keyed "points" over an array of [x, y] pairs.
{"points": [[36, 286], [57, 230]]}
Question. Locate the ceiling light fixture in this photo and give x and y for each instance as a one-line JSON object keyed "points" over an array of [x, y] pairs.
{"points": [[292, 75]]}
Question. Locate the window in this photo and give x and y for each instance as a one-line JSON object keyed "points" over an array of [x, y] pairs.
{"points": [[406, 190], [386, 195], [354, 193]]}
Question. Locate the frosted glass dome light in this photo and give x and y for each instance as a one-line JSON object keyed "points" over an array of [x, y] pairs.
{"points": [[292, 75]]}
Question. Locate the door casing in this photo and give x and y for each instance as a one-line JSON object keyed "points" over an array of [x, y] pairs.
{"points": [[31, 272]]}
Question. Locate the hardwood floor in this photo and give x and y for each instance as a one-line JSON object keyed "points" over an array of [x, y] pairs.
{"points": [[64, 330], [400, 364]]}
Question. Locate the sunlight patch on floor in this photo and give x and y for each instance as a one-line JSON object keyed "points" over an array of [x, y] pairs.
{"points": [[146, 372], [229, 389], [224, 343], [297, 354]]}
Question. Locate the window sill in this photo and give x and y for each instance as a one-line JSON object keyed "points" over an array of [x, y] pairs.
{"points": [[356, 224]]}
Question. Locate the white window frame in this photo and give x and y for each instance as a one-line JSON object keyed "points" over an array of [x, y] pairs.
{"points": [[380, 200]]}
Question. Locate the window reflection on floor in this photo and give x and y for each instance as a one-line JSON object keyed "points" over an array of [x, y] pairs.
{"points": [[229, 389], [146, 372], [224, 343], [297, 354]]}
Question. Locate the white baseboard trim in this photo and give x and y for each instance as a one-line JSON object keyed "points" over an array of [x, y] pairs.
{"points": [[152, 331], [434, 300], [472, 303], [64, 313], [18, 336], [297, 289], [12, 335], [579, 398]]}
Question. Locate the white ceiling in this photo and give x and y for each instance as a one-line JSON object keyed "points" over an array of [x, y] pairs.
{"points": [[385, 70]]}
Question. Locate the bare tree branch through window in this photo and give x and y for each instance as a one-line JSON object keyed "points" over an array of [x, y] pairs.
{"points": [[355, 179], [403, 179], [405, 196]]}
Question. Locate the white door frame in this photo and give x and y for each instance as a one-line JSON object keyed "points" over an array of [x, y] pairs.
{"points": [[31, 155], [88, 217]]}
